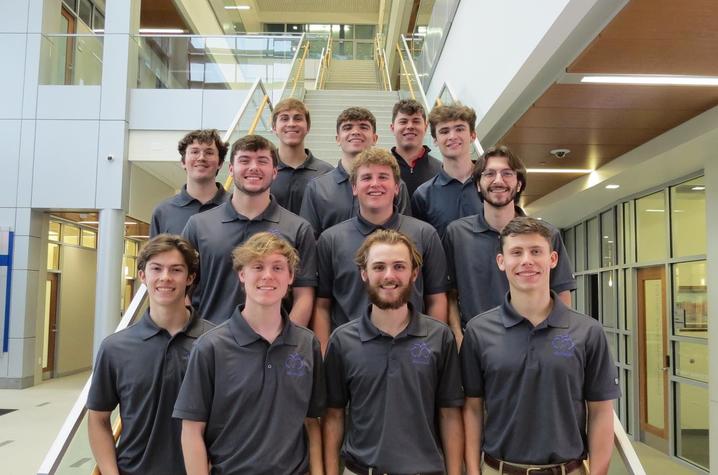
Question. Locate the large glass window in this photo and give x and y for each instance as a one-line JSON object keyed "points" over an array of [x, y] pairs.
{"points": [[692, 424], [651, 227], [608, 238], [609, 299], [54, 231], [580, 262], [569, 241], [70, 234], [690, 299], [688, 215], [628, 245], [691, 360], [592, 233]]}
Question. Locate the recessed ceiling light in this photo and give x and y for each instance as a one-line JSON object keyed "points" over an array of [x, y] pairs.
{"points": [[652, 80], [612, 187], [649, 210], [559, 170], [237, 7], [698, 188], [162, 31]]}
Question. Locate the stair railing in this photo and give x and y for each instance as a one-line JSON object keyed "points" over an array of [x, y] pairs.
{"points": [[409, 74], [381, 64], [296, 73], [324, 65]]}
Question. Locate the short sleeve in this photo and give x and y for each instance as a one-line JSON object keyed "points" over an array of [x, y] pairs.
{"points": [[601, 378], [418, 205], [318, 401], [155, 223], [325, 270], [337, 391], [562, 277], [197, 391], [449, 253], [190, 234], [434, 269], [103, 395], [307, 249], [471, 370], [450, 391], [403, 202], [308, 209]]}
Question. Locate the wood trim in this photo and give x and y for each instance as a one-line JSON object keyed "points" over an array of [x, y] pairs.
{"points": [[52, 327], [69, 44], [651, 273]]}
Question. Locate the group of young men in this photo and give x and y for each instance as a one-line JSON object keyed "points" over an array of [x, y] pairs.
{"points": [[442, 338]]}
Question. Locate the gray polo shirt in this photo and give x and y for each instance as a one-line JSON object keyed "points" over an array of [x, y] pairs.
{"points": [[393, 387], [215, 233], [328, 200], [471, 247], [288, 187], [535, 381], [172, 215], [254, 396], [340, 279], [425, 168], [444, 199], [141, 369]]}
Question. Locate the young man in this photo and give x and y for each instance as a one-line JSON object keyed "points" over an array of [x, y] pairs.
{"points": [[452, 193], [297, 165], [542, 372], [408, 124], [375, 183], [471, 243], [202, 154], [141, 367], [399, 372], [255, 384], [328, 199], [253, 166]]}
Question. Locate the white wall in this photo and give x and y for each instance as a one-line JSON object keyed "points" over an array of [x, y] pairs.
{"points": [[145, 192]]}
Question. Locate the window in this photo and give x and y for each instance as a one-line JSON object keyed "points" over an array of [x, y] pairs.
{"points": [[608, 238], [70, 234], [592, 234], [85, 12], [53, 256], [54, 231], [88, 238], [688, 218], [651, 227], [690, 299], [692, 423]]}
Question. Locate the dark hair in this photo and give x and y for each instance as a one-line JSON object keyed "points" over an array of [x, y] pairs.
{"points": [[166, 243], [455, 111], [356, 113], [254, 143], [387, 236], [522, 225], [408, 107], [515, 164], [375, 156], [206, 136], [289, 104]]}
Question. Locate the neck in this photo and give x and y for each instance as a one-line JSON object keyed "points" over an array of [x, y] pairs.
{"points": [[266, 320], [173, 317], [459, 168], [292, 155], [202, 191], [498, 218], [390, 321], [534, 305], [410, 154], [376, 216], [250, 206], [347, 162]]}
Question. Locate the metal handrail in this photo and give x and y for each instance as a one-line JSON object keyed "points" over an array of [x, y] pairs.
{"points": [[321, 65], [302, 40], [405, 73], [324, 64], [381, 65], [412, 67], [299, 68]]}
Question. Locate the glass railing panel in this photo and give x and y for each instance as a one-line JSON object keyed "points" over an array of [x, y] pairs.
{"points": [[71, 60], [295, 85]]}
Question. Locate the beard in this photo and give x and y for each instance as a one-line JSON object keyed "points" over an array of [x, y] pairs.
{"points": [[384, 304], [499, 203], [254, 192]]}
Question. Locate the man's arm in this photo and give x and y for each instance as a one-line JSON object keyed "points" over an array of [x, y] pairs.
{"points": [[600, 435], [102, 442], [455, 319], [321, 321], [195, 452], [565, 297], [332, 435], [308, 210], [314, 436], [301, 311], [452, 438], [473, 426], [436, 306]]}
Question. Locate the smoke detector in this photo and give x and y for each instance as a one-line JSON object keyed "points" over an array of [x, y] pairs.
{"points": [[560, 152]]}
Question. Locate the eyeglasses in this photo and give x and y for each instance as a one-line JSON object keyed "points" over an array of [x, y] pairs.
{"points": [[505, 174], [196, 152]]}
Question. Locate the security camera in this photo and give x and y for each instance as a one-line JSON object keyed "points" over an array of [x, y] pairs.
{"points": [[559, 152]]}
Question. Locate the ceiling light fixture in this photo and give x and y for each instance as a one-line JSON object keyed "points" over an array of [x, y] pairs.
{"points": [[162, 31], [575, 171], [237, 7], [651, 80], [612, 187], [698, 188]]}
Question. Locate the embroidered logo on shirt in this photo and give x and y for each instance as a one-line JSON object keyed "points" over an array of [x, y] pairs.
{"points": [[563, 345], [420, 353], [295, 365]]}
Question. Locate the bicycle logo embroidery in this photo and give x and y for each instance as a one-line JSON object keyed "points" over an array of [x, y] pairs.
{"points": [[420, 353], [295, 365], [563, 345]]}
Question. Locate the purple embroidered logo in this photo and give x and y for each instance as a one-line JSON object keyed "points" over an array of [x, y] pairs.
{"points": [[295, 365], [563, 345], [420, 353]]}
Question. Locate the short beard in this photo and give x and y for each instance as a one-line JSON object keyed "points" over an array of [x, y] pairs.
{"points": [[375, 298], [247, 192], [497, 204]]}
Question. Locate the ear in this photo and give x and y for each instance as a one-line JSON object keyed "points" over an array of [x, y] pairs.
{"points": [[375, 138], [336, 138], [354, 190], [190, 279], [142, 276], [241, 276], [184, 165], [275, 171], [554, 259], [473, 135], [500, 262], [391, 127], [414, 275], [396, 189], [364, 276]]}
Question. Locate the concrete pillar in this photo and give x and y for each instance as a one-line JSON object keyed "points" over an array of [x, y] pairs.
{"points": [[711, 178]]}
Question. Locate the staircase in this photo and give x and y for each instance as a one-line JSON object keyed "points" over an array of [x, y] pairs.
{"points": [[352, 74], [324, 107]]}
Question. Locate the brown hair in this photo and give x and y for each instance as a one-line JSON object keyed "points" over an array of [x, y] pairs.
{"points": [[387, 236], [291, 103], [408, 107], [254, 143], [375, 156], [205, 136], [356, 113], [515, 164], [261, 245], [166, 243], [455, 111], [522, 225]]}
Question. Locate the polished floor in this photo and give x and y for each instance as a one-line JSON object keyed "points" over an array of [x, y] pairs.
{"points": [[27, 432]]}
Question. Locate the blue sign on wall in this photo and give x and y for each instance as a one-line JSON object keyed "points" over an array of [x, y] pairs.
{"points": [[6, 246]]}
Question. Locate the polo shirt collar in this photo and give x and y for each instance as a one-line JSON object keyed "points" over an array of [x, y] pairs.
{"points": [[340, 173], [558, 317], [310, 163], [368, 331], [443, 178], [481, 225], [366, 228], [148, 328], [244, 335], [271, 213], [183, 198]]}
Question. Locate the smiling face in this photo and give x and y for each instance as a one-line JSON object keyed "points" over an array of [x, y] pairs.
{"points": [[498, 183], [454, 139], [252, 171], [167, 278], [375, 187], [201, 161], [388, 275], [291, 127], [266, 279], [355, 136], [409, 130], [527, 260]]}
